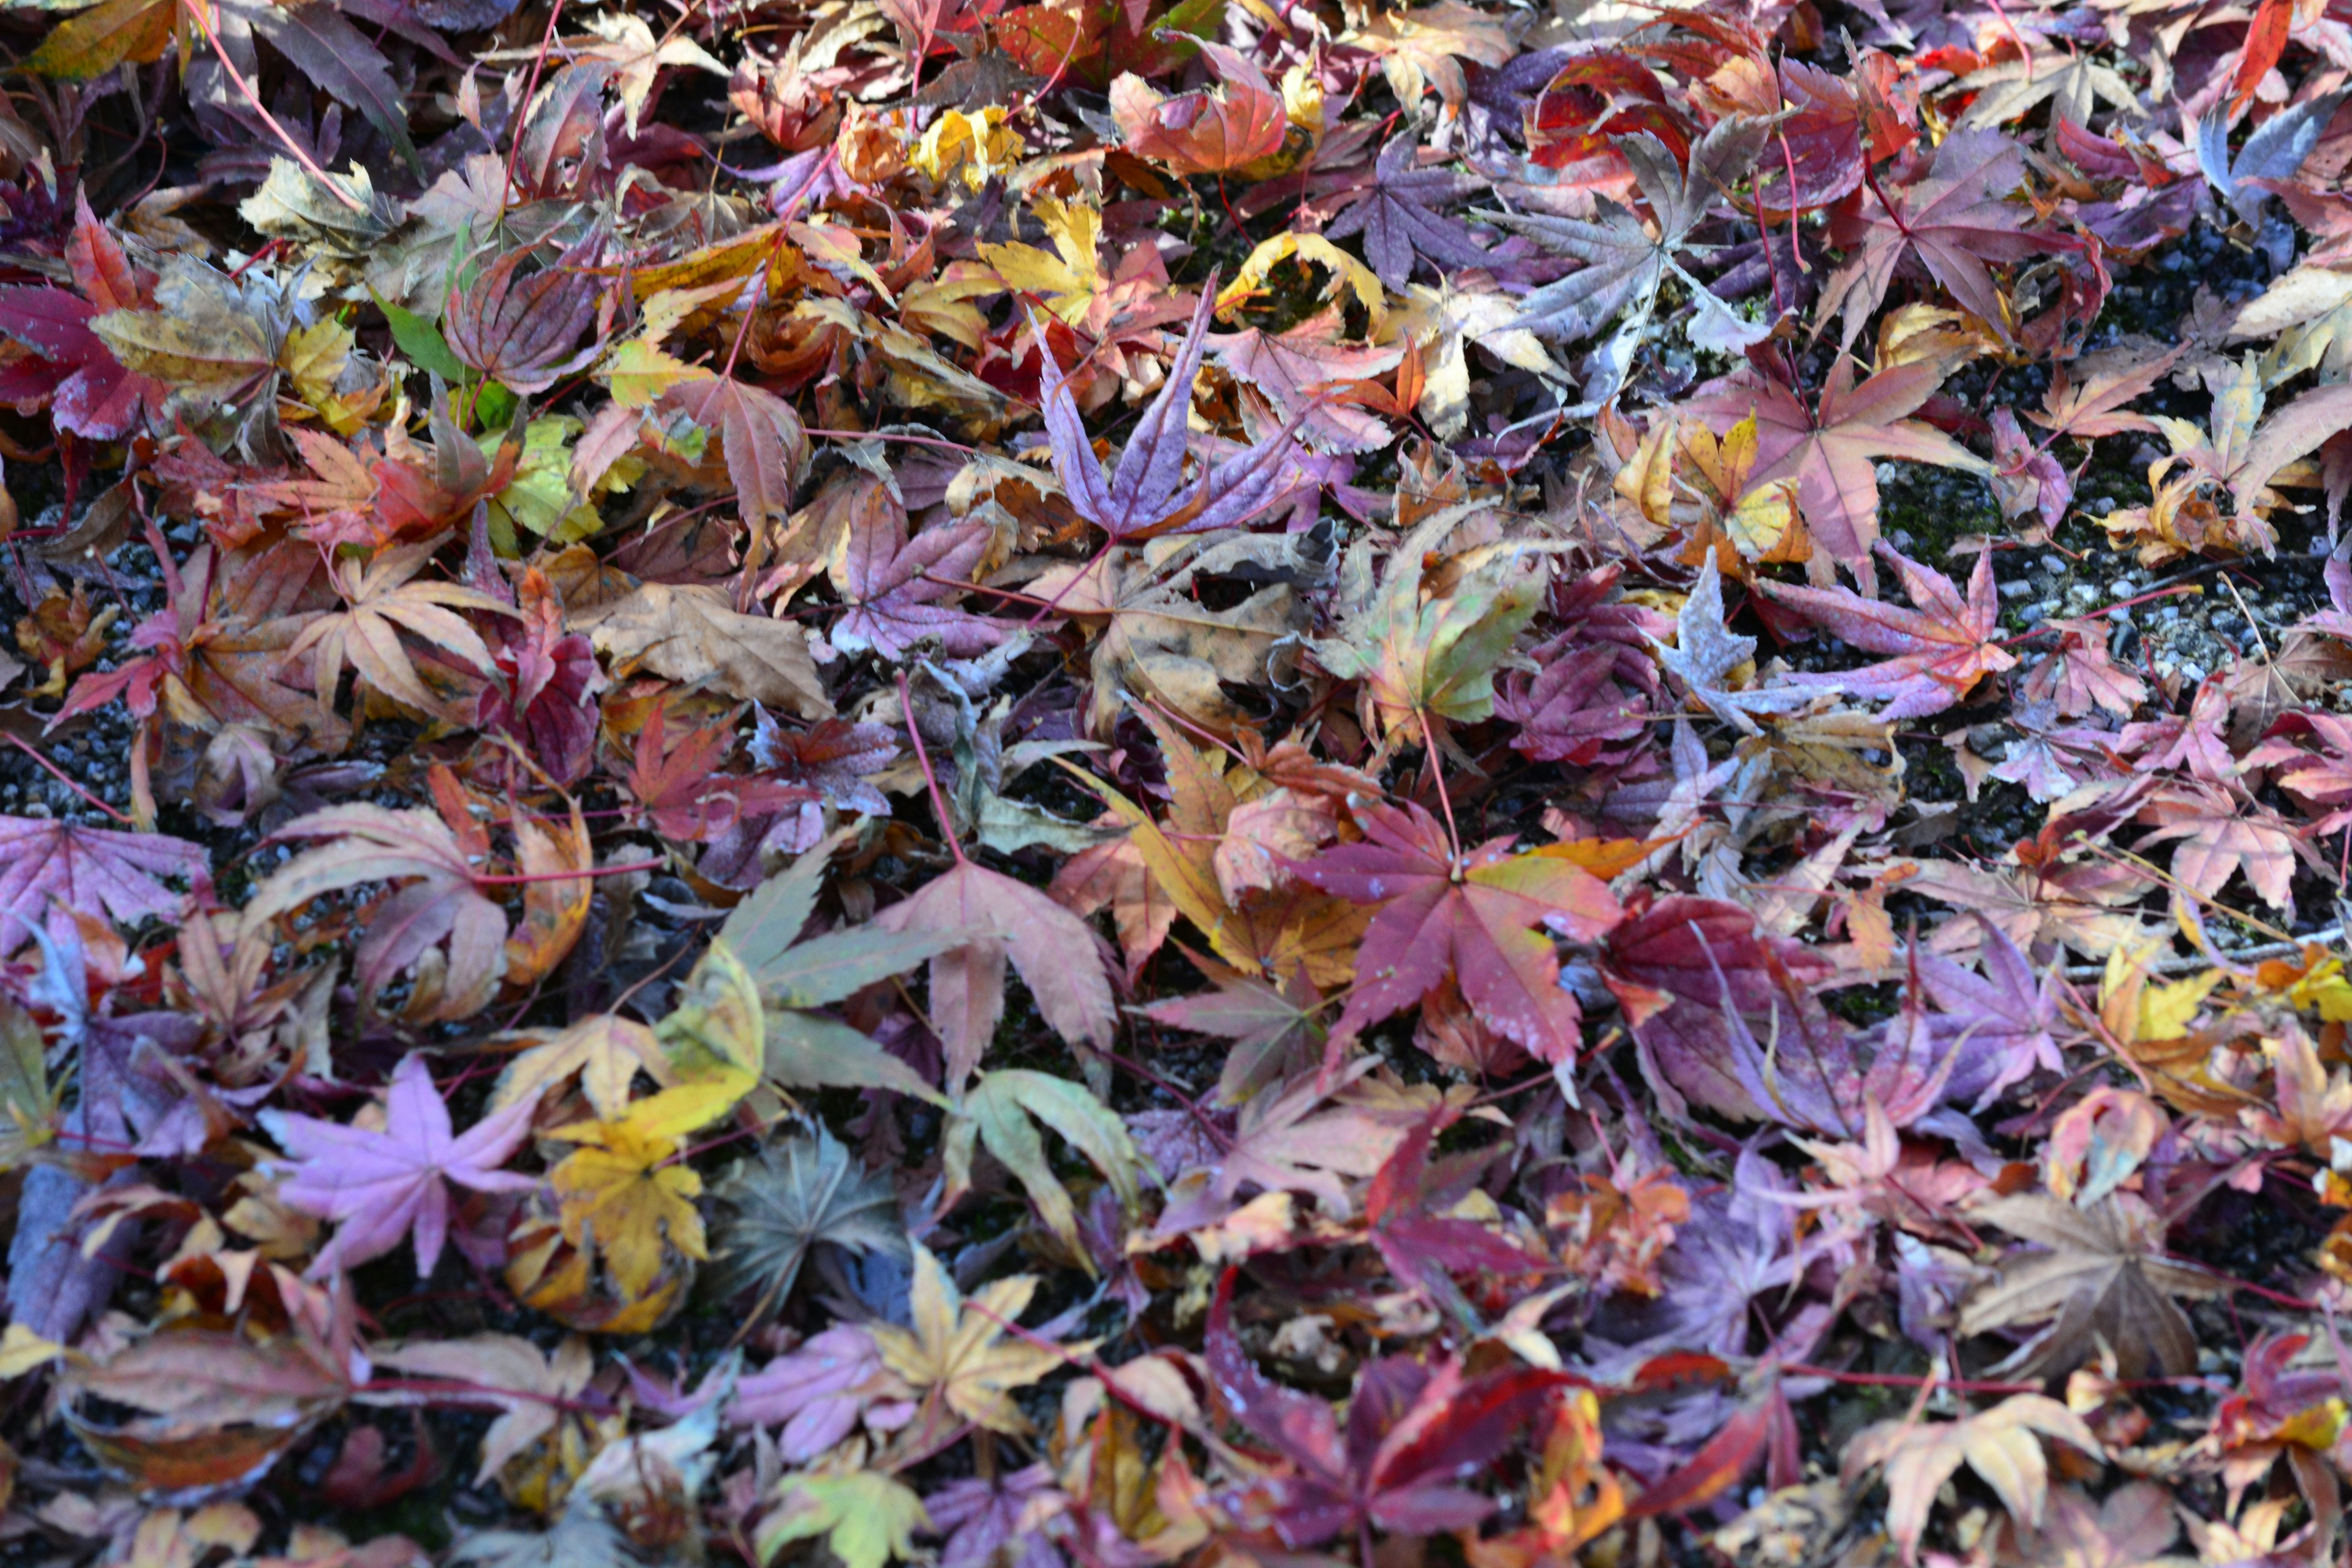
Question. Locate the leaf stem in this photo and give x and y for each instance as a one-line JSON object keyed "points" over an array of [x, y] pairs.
{"points": [[923, 756], [523, 110], [19, 743], [201, 11], [520, 879]]}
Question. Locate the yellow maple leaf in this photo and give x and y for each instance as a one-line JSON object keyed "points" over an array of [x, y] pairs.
{"points": [[1346, 273], [1068, 282], [958, 1350], [639, 371], [604, 1050], [973, 146], [621, 1187]]}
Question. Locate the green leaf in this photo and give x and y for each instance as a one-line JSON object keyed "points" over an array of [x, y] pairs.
{"points": [[997, 1112], [764, 931], [27, 1103], [866, 1519], [421, 341], [809, 1050]]}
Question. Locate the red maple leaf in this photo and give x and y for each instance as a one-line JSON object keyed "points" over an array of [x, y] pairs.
{"points": [[1832, 448], [1934, 654], [1422, 1244], [1951, 224], [1477, 916], [88, 391], [1415, 1435], [48, 867]]}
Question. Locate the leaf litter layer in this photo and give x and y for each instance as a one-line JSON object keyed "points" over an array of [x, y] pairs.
{"points": [[1009, 785]]}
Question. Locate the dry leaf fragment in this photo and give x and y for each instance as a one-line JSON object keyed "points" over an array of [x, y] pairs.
{"points": [[689, 633], [2103, 1279], [2002, 1445]]}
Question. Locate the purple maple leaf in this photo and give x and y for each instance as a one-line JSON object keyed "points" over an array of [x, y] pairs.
{"points": [[1146, 495], [384, 1185], [47, 868], [895, 587], [2000, 1025], [1399, 218]]}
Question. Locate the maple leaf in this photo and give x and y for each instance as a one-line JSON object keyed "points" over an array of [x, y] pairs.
{"points": [[1938, 651], [382, 599], [1828, 449], [88, 391], [1484, 917], [1420, 49], [518, 330], [212, 340], [1211, 131], [833, 757], [2002, 1445], [1952, 222], [1146, 495], [2103, 1279], [1624, 263], [800, 1193], [2073, 83], [688, 633], [1424, 1245], [527, 1386], [1399, 216], [1162, 640], [2220, 834], [2080, 675], [1413, 1434], [622, 1189], [48, 869], [767, 449], [822, 1392], [546, 683], [892, 587], [866, 1519], [2095, 406], [1274, 1028], [2008, 1016], [1286, 1141], [787, 976], [2312, 753], [1059, 959], [1705, 651], [440, 904], [213, 1410], [683, 792], [997, 1111], [1292, 367], [1068, 281], [1424, 657], [2271, 155], [603, 1051], [381, 1186], [957, 1351]]}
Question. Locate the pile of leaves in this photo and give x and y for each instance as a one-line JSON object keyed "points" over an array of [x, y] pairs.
{"points": [[1141, 781]]}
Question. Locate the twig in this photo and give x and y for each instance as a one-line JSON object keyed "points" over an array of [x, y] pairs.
{"points": [[2180, 964]]}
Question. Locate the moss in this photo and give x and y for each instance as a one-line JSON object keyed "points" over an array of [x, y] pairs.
{"points": [[1934, 509]]}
